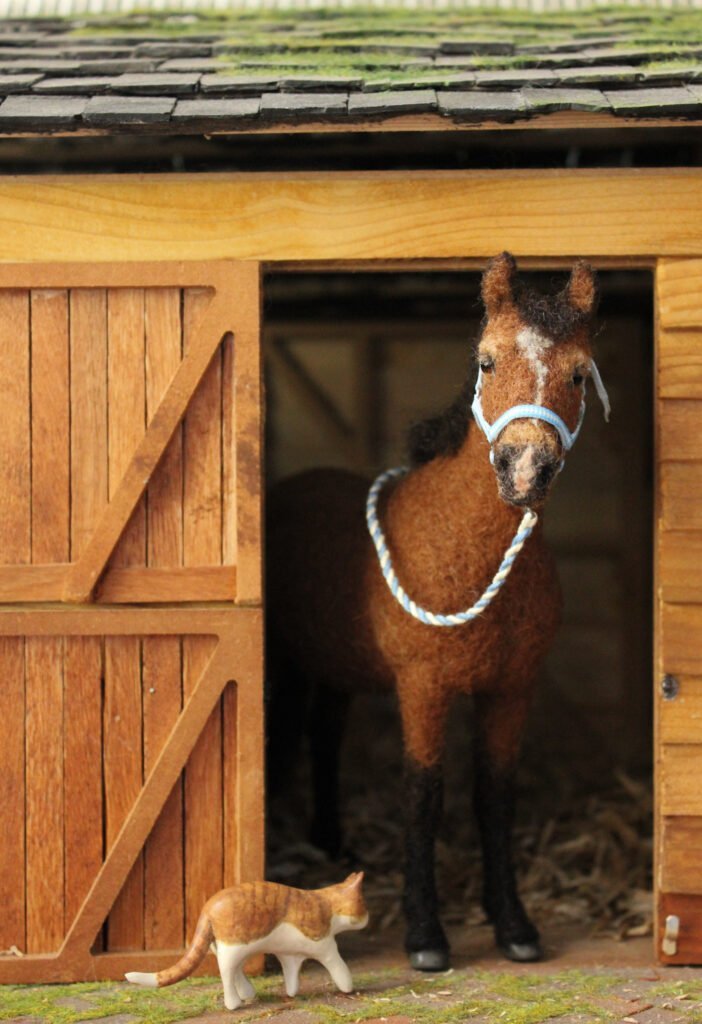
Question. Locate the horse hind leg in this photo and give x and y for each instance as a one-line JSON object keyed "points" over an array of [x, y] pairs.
{"points": [[326, 727], [499, 726]]}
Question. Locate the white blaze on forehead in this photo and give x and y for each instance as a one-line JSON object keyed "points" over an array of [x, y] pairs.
{"points": [[533, 345]]}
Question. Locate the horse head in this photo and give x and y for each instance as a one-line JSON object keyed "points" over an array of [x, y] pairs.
{"points": [[534, 358]]}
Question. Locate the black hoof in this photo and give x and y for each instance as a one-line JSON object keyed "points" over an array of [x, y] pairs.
{"points": [[522, 952], [429, 959]]}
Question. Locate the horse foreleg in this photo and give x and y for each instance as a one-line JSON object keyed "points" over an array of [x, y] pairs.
{"points": [[423, 719], [500, 723]]}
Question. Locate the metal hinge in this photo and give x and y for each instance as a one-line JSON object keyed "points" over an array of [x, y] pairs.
{"points": [[670, 687], [670, 935]]}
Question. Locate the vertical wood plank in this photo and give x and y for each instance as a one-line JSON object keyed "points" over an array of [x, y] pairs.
{"points": [[14, 549], [202, 545], [44, 793], [230, 839], [229, 532], [82, 755], [50, 420], [44, 655], [14, 444], [164, 913], [249, 441], [123, 753], [89, 491], [12, 833]]}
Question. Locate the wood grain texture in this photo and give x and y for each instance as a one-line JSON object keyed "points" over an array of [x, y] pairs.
{"points": [[681, 639], [44, 793], [15, 504], [122, 755], [202, 542], [681, 495], [12, 794], [679, 790], [145, 454], [678, 284], [82, 759], [84, 656], [164, 913], [681, 863], [126, 402], [680, 430], [680, 720], [249, 434], [50, 525], [15, 548], [89, 485], [680, 364], [680, 566], [50, 401], [355, 215]]}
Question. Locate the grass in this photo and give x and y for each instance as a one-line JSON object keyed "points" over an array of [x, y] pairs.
{"points": [[500, 997]]}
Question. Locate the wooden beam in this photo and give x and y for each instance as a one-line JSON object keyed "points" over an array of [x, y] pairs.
{"points": [[355, 215]]}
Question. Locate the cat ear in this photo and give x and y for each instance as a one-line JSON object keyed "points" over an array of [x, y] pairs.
{"points": [[354, 880]]}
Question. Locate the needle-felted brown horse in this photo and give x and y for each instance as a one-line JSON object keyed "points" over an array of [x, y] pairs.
{"points": [[337, 623]]}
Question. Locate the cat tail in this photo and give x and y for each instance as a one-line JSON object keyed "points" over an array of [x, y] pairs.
{"points": [[195, 953]]}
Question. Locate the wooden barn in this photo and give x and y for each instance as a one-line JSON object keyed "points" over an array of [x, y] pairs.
{"points": [[168, 178]]}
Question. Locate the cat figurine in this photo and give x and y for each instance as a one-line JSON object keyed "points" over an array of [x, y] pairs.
{"points": [[264, 917]]}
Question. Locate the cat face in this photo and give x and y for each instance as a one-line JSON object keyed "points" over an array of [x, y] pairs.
{"points": [[347, 903]]}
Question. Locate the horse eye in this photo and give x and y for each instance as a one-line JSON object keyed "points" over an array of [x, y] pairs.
{"points": [[578, 378], [487, 364]]}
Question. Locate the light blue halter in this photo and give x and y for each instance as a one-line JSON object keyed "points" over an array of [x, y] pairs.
{"points": [[492, 431], [536, 412]]}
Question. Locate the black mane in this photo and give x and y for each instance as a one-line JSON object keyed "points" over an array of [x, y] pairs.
{"points": [[552, 315], [443, 434]]}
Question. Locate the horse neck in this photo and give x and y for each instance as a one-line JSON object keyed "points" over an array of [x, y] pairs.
{"points": [[458, 494]]}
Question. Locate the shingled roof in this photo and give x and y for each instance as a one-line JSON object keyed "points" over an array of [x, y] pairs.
{"points": [[195, 72]]}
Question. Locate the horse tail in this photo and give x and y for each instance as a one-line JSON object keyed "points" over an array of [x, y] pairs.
{"points": [[195, 954]]}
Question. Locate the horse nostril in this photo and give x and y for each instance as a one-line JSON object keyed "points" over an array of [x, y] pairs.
{"points": [[545, 474], [502, 462]]}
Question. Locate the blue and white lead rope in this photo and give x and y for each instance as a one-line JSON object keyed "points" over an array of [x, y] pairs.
{"points": [[431, 618]]}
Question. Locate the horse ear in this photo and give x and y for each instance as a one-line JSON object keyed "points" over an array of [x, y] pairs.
{"points": [[582, 289], [498, 283]]}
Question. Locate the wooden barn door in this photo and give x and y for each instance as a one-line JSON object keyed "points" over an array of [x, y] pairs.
{"points": [[131, 782], [678, 678]]}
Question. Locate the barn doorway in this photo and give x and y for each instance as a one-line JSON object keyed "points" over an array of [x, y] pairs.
{"points": [[352, 359]]}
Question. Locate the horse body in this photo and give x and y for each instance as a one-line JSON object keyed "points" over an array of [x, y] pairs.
{"points": [[334, 622]]}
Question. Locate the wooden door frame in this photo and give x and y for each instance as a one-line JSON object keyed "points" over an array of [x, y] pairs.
{"points": [[647, 219]]}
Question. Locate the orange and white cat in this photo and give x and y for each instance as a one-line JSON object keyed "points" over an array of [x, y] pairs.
{"points": [[264, 917]]}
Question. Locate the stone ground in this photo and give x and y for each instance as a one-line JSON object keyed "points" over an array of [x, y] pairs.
{"points": [[582, 981]]}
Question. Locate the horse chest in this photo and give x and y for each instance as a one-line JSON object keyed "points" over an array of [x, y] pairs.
{"points": [[507, 641]]}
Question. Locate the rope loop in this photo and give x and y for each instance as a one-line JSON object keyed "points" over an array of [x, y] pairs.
{"points": [[526, 525]]}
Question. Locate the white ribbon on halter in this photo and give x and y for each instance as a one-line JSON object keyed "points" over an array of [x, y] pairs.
{"points": [[537, 412]]}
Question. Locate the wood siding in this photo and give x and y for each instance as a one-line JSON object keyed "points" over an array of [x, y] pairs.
{"points": [[678, 871]]}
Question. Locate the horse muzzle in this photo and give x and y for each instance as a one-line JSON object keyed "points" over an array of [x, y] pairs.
{"points": [[525, 472]]}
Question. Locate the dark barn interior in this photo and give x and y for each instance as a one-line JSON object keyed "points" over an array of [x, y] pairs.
{"points": [[352, 359]]}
